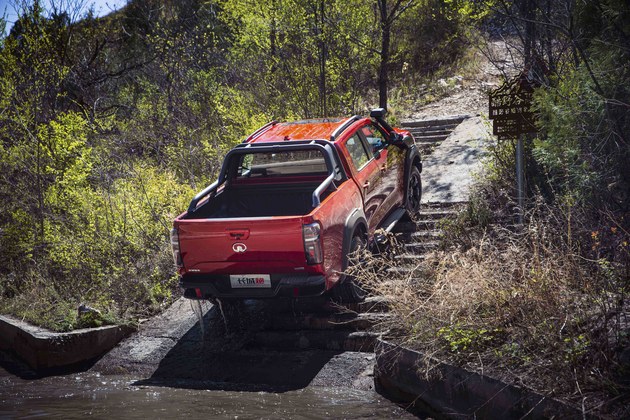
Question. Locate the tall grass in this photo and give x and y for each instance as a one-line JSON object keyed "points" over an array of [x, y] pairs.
{"points": [[542, 305]]}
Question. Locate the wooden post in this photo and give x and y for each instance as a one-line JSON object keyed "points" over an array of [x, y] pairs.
{"points": [[520, 178]]}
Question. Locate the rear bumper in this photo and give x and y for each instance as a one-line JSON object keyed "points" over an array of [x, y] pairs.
{"points": [[202, 286]]}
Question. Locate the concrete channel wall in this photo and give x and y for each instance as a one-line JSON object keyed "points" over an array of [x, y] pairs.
{"points": [[452, 392], [43, 349]]}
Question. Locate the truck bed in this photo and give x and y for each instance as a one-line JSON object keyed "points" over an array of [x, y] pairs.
{"points": [[259, 200]]}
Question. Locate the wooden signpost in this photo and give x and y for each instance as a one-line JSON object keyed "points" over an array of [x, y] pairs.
{"points": [[512, 118], [510, 107]]}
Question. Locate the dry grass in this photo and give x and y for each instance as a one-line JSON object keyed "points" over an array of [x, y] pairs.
{"points": [[543, 305], [43, 297]]}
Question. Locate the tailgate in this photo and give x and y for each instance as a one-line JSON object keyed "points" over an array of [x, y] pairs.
{"points": [[247, 245]]}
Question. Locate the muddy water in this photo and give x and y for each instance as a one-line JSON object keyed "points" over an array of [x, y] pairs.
{"points": [[101, 396], [192, 363]]}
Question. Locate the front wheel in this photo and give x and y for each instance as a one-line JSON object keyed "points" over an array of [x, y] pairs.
{"points": [[349, 291], [414, 193]]}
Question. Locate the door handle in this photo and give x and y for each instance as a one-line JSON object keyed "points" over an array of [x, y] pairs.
{"points": [[383, 168], [367, 184]]}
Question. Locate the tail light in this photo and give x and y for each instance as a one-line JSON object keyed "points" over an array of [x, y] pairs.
{"points": [[177, 256], [312, 243]]}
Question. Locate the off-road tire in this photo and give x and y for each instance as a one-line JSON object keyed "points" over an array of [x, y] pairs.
{"points": [[349, 291], [414, 193]]}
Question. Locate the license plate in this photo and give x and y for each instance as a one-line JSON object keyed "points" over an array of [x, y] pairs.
{"points": [[246, 281]]}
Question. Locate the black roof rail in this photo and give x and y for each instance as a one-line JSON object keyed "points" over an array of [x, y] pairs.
{"points": [[343, 126], [260, 131]]}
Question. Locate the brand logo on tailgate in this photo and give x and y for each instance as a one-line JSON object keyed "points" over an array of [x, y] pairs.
{"points": [[239, 248]]}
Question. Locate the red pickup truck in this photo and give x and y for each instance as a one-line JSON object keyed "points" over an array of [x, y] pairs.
{"points": [[291, 203]]}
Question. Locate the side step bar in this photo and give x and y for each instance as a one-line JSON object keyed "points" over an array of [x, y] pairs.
{"points": [[392, 219], [389, 224]]}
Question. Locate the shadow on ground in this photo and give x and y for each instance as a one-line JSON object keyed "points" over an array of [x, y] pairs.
{"points": [[228, 358], [11, 363]]}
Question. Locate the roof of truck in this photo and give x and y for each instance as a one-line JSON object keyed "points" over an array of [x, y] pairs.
{"points": [[298, 130]]}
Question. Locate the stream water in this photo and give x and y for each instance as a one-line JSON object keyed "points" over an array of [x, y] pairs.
{"points": [[100, 396]]}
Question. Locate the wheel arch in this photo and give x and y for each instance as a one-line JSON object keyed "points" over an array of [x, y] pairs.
{"points": [[356, 222]]}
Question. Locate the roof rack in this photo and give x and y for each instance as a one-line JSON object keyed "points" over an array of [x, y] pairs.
{"points": [[260, 131], [343, 126]]}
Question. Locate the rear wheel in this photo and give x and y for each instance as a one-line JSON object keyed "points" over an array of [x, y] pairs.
{"points": [[349, 291], [414, 193]]}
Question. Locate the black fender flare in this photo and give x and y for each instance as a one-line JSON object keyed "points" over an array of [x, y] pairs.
{"points": [[356, 220], [412, 159]]}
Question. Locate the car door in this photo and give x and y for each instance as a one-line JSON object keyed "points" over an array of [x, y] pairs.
{"points": [[367, 175], [390, 162]]}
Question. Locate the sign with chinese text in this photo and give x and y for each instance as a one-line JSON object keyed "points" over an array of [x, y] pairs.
{"points": [[510, 108]]}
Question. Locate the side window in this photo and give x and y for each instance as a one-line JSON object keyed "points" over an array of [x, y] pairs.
{"points": [[374, 137], [357, 152]]}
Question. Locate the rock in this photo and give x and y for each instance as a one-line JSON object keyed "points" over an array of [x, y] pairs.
{"points": [[85, 309]]}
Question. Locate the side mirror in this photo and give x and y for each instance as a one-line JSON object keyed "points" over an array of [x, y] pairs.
{"points": [[378, 113], [393, 137]]}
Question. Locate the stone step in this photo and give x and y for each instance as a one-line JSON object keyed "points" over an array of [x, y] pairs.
{"points": [[362, 341], [428, 224], [413, 258], [426, 234], [419, 133], [427, 220], [430, 139], [455, 119], [432, 127], [339, 321], [422, 246], [409, 227], [303, 313], [440, 205], [430, 131], [420, 235], [437, 213], [370, 304], [407, 271]]}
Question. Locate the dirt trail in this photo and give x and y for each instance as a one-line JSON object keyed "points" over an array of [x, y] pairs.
{"points": [[449, 171], [450, 168], [470, 95]]}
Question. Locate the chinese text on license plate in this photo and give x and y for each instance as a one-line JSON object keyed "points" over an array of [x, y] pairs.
{"points": [[239, 281]]}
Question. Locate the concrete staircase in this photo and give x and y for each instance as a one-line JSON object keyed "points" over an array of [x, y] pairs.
{"points": [[422, 235], [430, 133]]}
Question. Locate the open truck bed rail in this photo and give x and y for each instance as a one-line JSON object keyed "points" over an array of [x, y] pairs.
{"points": [[335, 172]]}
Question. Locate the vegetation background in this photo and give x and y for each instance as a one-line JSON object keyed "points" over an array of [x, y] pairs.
{"points": [[108, 126]]}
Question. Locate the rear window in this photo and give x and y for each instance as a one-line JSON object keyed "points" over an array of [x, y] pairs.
{"points": [[296, 163]]}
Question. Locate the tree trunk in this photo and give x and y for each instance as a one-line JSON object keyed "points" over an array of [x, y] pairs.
{"points": [[323, 52], [384, 65], [529, 7]]}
